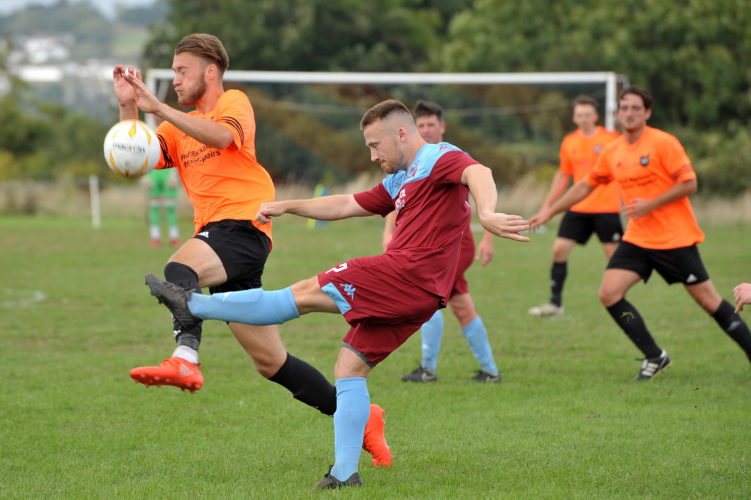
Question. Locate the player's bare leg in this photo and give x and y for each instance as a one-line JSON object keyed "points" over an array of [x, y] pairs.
{"points": [[263, 344]]}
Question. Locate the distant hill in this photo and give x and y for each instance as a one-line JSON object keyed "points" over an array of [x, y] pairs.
{"points": [[93, 35]]}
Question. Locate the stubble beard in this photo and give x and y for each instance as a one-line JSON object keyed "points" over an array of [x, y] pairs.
{"points": [[193, 97]]}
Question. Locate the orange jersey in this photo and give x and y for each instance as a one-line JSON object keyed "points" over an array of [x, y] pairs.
{"points": [[578, 156], [221, 183], [644, 170]]}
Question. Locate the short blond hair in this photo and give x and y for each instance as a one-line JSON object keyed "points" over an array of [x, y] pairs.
{"points": [[383, 110], [205, 46]]}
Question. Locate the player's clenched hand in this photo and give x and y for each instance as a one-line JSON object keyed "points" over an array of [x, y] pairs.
{"points": [[742, 295], [268, 210], [505, 226]]}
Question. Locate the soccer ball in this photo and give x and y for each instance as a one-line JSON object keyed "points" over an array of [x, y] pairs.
{"points": [[131, 148]]}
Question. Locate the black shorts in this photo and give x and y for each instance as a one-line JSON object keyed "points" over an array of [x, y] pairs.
{"points": [[579, 226], [243, 250], [676, 265]]}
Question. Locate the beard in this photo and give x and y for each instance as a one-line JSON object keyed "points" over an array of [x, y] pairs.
{"points": [[193, 96]]}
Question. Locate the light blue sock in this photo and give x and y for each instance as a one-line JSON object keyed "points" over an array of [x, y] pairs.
{"points": [[477, 338], [351, 416], [432, 333], [253, 307]]}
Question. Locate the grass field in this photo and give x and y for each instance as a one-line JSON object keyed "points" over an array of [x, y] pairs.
{"points": [[566, 422]]}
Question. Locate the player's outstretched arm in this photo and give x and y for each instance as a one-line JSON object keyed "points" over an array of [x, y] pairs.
{"points": [[479, 179], [557, 188], [505, 225], [576, 193], [335, 207]]}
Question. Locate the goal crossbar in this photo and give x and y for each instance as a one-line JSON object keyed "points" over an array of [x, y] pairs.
{"points": [[607, 78]]}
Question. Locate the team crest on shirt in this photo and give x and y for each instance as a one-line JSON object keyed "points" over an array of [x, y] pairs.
{"points": [[401, 200], [598, 148], [412, 170], [644, 160]]}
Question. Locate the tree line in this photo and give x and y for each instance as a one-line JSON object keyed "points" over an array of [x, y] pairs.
{"points": [[693, 56]]}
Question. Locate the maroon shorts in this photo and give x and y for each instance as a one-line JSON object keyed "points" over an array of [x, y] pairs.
{"points": [[466, 256], [382, 308]]}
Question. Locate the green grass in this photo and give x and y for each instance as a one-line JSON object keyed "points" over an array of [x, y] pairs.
{"points": [[566, 422]]}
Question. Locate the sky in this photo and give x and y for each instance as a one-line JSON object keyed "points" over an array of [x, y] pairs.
{"points": [[107, 7]]}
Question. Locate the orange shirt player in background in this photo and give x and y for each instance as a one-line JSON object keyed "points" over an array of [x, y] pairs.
{"points": [[655, 178], [214, 151], [597, 213]]}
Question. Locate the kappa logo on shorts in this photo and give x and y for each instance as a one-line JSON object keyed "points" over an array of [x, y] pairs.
{"points": [[205, 234], [691, 279], [349, 290]]}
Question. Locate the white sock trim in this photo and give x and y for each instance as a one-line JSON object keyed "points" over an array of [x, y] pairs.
{"points": [[186, 353]]}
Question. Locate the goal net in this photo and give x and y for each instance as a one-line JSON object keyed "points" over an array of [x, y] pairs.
{"points": [[307, 123]]}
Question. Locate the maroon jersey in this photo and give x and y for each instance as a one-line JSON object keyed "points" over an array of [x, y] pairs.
{"points": [[432, 214]]}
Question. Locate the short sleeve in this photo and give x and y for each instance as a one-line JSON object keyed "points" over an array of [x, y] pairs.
{"points": [[601, 173], [165, 132], [676, 161], [450, 167], [376, 200], [233, 110]]}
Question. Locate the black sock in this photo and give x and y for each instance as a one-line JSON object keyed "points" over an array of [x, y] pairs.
{"points": [[733, 325], [185, 277], [306, 384], [557, 277], [631, 322]]}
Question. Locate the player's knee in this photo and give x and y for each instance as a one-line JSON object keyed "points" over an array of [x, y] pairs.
{"points": [[181, 275], [267, 363], [608, 296], [309, 297], [560, 255], [465, 315], [266, 368], [463, 308], [561, 249]]}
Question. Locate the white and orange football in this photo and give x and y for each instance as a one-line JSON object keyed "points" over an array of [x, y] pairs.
{"points": [[131, 148]]}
